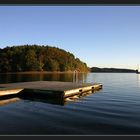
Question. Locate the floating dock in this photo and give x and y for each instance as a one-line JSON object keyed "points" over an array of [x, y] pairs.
{"points": [[47, 88]]}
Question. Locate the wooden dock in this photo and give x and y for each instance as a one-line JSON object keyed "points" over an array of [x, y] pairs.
{"points": [[47, 88]]}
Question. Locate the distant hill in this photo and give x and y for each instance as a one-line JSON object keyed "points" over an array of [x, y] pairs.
{"points": [[38, 58], [115, 70]]}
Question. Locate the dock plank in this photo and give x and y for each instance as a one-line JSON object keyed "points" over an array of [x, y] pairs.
{"points": [[67, 88]]}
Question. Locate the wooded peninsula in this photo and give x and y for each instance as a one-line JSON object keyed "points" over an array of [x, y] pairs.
{"points": [[39, 58]]}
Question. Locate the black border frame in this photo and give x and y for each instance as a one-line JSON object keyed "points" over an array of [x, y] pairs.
{"points": [[73, 2], [69, 3]]}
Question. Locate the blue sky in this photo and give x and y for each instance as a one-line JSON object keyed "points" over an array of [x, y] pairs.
{"points": [[102, 36]]}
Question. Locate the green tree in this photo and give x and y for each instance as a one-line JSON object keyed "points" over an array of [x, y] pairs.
{"points": [[35, 57], [31, 60]]}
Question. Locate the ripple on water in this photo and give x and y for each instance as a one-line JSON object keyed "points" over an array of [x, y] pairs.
{"points": [[112, 110]]}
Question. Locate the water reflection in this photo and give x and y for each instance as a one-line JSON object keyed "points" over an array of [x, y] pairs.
{"points": [[138, 79], [67, 77], [8, 99], [76, 98], [58, 101]]}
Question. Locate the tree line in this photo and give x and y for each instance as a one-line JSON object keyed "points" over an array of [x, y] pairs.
{"points": [[38, 58], [96, 69]]}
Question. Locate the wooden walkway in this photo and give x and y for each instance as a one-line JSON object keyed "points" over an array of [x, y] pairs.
{"points": [[47, 88]]}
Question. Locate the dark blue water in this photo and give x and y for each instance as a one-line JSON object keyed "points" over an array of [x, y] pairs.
{"points": [[113, 110]]}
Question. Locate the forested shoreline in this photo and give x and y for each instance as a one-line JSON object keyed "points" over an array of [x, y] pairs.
{"points": [[111, 70], [39, 58]]}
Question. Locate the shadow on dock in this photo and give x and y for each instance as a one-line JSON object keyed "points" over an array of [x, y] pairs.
{"points": [[8, 99]]}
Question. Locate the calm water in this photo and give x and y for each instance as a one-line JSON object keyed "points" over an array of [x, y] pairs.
{"points": [[113, 110]]}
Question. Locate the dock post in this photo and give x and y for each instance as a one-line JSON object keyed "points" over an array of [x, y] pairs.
{"points": [[75, 76], [83, 78]]}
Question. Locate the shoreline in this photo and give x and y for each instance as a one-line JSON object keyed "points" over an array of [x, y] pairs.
{"points": [[42, 72], [55, 72]]}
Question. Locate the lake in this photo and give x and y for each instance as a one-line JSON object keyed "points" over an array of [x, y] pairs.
{"points": [[113, 110]]}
